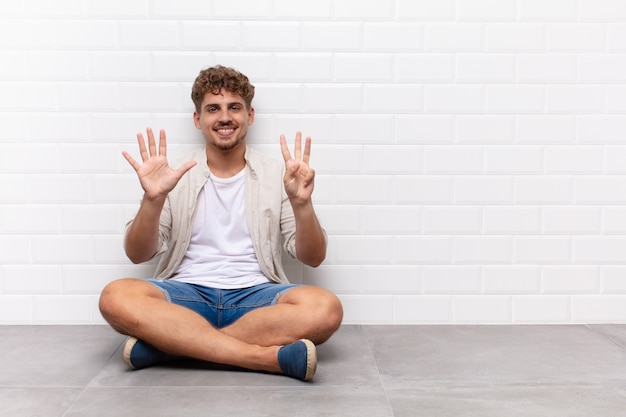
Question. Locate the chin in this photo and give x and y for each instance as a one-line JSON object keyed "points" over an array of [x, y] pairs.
{"points": [[228, 145]]}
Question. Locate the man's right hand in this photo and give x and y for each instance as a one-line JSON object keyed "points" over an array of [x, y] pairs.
{"points": [[156, 176]]}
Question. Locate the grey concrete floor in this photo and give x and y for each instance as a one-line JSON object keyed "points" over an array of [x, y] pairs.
{"points": [[572, 370]]}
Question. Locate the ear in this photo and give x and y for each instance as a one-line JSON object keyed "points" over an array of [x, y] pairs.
{"points": [[196, 119], [251, 115]]}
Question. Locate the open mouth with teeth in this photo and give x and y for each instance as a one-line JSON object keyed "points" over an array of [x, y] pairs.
{"points": [[226, 130]]}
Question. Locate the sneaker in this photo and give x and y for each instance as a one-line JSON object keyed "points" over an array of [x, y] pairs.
{"points": [[298, 360], [138, 354]]}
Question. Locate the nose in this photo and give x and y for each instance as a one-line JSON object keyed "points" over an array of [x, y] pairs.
{"points": [[224, 117]]}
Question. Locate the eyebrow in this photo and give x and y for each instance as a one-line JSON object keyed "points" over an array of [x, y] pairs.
{"points": [[232, 103]]}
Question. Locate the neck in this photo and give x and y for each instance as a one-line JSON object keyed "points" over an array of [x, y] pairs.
{"points": [[226, 164]]}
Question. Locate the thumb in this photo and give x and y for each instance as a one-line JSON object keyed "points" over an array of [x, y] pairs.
{"points": [[185, 168]]}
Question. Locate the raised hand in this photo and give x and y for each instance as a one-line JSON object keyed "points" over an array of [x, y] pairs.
{"points": [[299, 176], [156, 176]]}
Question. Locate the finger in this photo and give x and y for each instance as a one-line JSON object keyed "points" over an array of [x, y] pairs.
{"points": [[151, 142], [310, 177], [291, 169], [298, 146], [162, 143], [284, 149], [186, 167], [131, 160], [142, 147], [307, 150]]}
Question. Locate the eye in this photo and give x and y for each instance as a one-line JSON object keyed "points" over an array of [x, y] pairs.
{"points": [[236, 107]]}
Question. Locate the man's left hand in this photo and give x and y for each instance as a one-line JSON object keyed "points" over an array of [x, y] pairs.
{"points": [[299, 176]]}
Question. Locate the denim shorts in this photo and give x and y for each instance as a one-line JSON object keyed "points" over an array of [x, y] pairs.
{"points": [[221, 307]]}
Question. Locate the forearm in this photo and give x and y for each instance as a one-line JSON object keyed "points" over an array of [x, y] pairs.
{"points": [[142, 237], [310, 237]]}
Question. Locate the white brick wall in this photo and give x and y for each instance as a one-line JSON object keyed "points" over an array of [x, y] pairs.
{"points": [[470, 153]]}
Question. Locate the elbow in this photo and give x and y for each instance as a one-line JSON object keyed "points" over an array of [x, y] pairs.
{"points": [[134, 258], [139, 252], [315, 260], [318, 261], [311, 252], [315, 264], [138, 257]]}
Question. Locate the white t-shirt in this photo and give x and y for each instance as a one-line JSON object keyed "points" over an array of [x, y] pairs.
{"points": [[220, 252]]}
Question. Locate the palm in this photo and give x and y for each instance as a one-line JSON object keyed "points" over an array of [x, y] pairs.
{"points": [[297, 184], [299, 176], [156, 176]]}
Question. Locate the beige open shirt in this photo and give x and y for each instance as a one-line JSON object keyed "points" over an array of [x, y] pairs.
{"points": [[269, 215]]}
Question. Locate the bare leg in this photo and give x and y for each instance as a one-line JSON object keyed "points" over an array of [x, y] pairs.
{"points": [[138, 308], [302, 312]]}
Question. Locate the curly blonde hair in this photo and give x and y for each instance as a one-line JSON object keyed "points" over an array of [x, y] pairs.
{"points": [[215, 79]]}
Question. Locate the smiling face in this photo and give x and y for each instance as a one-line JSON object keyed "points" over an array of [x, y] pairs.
{"points": [[223, 119]]}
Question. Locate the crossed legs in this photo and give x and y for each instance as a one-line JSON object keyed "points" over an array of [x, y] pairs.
{"points": [[138, 308]]}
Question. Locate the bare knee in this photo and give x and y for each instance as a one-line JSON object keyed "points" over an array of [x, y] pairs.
{"points": [[330, 316], [111, 297], [322, 310], [119, 299]]}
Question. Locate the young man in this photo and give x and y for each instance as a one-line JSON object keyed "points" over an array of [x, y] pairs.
{"points": [[219, 224]]}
